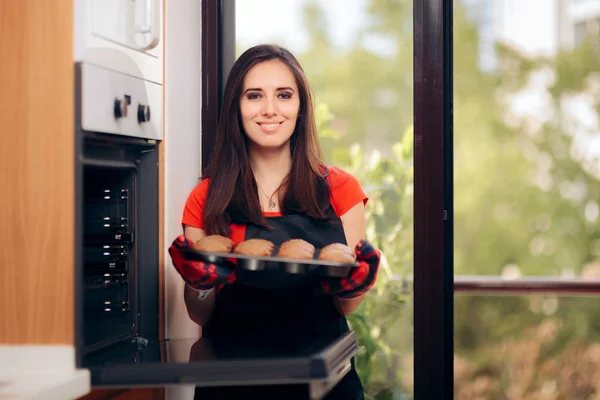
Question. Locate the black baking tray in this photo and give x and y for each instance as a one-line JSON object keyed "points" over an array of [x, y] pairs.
{"points": [[221, 362], [289, 265]]}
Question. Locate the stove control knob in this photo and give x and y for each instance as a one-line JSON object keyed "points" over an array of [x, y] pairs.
{"points": [[143, 113], [120, 108]]}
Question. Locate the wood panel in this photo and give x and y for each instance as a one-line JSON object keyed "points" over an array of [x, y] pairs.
{"points": [[37, 169], [126, 394], [141, 394]]}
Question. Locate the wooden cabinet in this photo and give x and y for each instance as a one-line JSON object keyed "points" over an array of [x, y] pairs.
{"points": [[124, 394], [37, 159]]}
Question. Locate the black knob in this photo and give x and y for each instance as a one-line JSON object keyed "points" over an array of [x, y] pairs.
{"points": [[120, 108], [143, 113]]}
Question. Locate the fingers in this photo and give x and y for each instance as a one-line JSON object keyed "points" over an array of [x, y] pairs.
{"points": [[356, 277], [366, 252], [181, 242], [175, 251], [340, 285], [201, 274], [361, 278], [204, 274]]}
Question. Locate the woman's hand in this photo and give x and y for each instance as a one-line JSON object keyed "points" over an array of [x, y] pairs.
{"points": [[199, 275], [361, 278]]}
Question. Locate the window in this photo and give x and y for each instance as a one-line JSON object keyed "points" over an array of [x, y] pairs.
{"points": [[527, 242]]}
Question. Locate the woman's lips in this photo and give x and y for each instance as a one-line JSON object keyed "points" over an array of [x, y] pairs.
{"points": [[270, 127]]}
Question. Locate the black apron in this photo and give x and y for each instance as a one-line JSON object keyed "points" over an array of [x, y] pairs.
{"points": [[286, 308]]}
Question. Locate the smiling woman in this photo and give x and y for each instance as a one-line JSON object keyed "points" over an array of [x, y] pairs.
{"points": [[267, 181]]}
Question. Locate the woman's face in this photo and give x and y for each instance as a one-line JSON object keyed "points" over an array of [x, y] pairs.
{"points": [[269, 104]]}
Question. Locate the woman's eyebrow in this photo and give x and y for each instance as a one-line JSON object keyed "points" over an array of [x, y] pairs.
{"points": [[278, 89]]}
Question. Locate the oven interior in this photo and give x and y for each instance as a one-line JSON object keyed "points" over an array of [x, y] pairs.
{"points": [[118, 242]]}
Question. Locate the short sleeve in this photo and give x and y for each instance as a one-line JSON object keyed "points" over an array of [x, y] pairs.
{"points": [[346, 191], [193, 212]]}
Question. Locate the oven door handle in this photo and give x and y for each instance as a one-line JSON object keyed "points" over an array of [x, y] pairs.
{"points": [[147, 24]]}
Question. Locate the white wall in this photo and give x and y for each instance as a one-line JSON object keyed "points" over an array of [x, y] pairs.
{"points": [[182, 151], [528, 25], [583, 9]]}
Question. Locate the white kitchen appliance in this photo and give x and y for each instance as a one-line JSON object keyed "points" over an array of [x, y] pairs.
{"points": [[119, 58]]}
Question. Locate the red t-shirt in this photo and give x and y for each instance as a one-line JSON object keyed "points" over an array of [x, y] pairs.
{"points": [[345, 190]]}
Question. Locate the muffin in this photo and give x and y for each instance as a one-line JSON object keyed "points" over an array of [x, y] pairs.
{"points": [[337, 252], [213, 244], [297, 249], [255, 247]]}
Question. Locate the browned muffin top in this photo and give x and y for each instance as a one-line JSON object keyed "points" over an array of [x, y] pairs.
{"points": [[298, 249], [255, 247], [337, 252], [213, 244]]}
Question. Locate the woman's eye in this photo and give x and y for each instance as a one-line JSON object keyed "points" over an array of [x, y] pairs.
{"points": [[285, 95], [253, 96]]}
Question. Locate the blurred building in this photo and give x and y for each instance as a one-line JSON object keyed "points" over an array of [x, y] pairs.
{"points": [[577, 20], [541, 28], [536, 27]]}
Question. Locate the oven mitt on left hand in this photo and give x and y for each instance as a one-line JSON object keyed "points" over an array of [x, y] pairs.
{"points": [[199, 275], [361, 278]]}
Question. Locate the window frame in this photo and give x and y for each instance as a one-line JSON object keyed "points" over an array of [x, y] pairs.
{"points": [[218, 55], [433, 267]]}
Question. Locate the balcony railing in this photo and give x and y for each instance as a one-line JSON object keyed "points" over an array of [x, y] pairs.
{"points": [[526, 285], [497, 285]]}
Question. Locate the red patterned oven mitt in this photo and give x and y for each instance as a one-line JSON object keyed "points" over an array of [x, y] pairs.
{"points": [[361, 278], [199, 275]]}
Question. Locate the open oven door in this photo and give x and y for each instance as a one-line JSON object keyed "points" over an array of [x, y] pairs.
{"points": [[202, 362]]}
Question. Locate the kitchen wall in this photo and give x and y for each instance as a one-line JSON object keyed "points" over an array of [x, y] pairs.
{"points": [[183, 52]]}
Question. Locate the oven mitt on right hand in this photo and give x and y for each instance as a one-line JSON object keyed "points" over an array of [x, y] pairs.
{"points": [[361, 278], [199, 275]]}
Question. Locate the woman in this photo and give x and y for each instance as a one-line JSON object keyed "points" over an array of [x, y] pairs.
{"points": [[266, 180]]}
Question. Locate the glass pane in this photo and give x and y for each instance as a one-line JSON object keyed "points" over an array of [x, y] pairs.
{"points": [[527, 138], [527, 147], [527, 347], [358, 58]]}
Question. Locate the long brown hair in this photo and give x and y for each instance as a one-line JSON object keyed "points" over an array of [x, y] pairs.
{"points": [[232, 196]]}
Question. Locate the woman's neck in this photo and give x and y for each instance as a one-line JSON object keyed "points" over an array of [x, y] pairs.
{"points": [[270, 167]]}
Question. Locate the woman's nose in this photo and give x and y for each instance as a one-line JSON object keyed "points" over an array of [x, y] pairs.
{"points": [[270, 108]]}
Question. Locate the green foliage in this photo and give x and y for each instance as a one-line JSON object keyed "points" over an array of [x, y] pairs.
{"points": [[383, 322], [522, 190]]}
